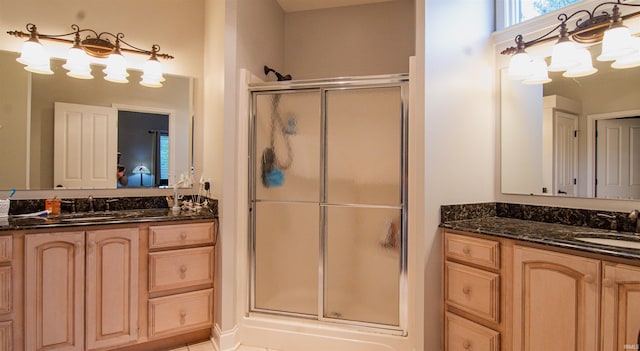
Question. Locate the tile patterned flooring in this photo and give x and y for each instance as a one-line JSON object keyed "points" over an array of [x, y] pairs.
{"points": [[208, 346]]}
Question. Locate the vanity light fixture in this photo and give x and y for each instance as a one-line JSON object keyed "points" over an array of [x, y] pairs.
{"points": [[569, 54], [36, 59]]}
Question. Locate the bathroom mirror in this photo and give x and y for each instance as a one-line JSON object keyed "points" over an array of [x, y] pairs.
{"points": [[576, 137], [152, 155]]}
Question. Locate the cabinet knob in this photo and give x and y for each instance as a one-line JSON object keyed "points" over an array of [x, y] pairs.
{"points": [[183, 271], [466, 345], [78, 244], [92, 243], [183, 317], [607, 282], [466, 250], [588, 279], [183, 236], [466, 290]]}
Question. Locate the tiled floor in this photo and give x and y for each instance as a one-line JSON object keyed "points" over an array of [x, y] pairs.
{"points": [[208, 346], [203, 346]]}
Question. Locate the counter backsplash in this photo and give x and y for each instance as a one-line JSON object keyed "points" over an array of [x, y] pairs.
{"points": [[100, 204], [559, 215]]}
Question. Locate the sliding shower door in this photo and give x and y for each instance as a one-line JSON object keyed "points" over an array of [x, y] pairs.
{"points": [[363, 204], [328, 203], [285, 206]]}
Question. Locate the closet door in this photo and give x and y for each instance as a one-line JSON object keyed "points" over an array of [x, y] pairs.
{"points": [[363, 205]]}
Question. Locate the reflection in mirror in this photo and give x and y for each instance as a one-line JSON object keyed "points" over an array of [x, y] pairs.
{"points": [[574, 137], [28, 122]]}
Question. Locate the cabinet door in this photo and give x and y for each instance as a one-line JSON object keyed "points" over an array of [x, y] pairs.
{"points": [[54, 291], [620, 306], [112, 287], [555, 301]]}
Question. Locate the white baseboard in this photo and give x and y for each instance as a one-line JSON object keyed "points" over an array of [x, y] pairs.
{"points": [[225, 340]]}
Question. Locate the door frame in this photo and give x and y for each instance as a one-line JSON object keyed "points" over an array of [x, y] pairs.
{"points": [[172, 131], [591, 139]]}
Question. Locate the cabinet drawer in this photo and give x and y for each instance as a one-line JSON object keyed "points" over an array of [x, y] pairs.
{"points": [[464, 335], [179, 313], [181, 234], [477, 251], [6, 248], [182, 268], [5, 289], [473, 290]]}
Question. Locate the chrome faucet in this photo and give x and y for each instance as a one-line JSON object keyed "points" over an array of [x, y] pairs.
{"points": [[633, 215], [91, 208], [107, 207]]}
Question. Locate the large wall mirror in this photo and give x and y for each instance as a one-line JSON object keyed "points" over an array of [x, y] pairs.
{"points": [[147, 144], [577, 137]]}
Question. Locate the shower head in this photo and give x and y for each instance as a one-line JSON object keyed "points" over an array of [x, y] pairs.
{"points": [[280, 76]]}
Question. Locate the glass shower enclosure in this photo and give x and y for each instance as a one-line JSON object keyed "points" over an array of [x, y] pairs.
{"points": [[328, 200]]}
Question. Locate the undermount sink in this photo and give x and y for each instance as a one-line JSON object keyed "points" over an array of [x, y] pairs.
{"points": [[617, 241]]}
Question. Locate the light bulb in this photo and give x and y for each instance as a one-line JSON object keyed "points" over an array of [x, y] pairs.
{"points": [[152, 75], [116, 70], [78, 64]]}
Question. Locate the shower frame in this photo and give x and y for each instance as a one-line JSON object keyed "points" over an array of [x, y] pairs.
{"points": [[323, 86]]}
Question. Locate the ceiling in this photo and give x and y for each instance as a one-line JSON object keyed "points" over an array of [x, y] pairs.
{"points": [[304, 5]]}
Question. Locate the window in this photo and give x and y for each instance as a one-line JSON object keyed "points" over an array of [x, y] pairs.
{"points": [[516, 11]]}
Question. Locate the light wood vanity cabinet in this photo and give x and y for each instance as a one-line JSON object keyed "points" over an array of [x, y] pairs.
{"points": [[6, 293], [471, 292], [554, 299], [71, 275], [108, 287], [181, 273], [620, 306]]}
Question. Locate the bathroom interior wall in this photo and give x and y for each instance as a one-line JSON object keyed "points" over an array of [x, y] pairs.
{"points": [[350, 41], [178, 29], [460, 129]]}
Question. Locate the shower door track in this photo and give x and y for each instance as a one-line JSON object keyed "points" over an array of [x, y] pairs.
{"points": [[323, 86]]}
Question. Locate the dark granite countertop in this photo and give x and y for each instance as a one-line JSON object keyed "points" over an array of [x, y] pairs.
{"points": [[102, 218], [550, 234]]}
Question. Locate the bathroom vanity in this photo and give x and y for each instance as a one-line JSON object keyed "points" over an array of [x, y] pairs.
{"points": [[514, 284], [122, 280]]}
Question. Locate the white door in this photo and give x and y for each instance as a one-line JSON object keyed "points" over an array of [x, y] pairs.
{"points": [[618, 158], [565, 153], [85, 146]]}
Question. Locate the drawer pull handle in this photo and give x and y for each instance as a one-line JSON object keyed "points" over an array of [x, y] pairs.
{"points": [[466, 345], [466, 250], [607, 282], [183, 236], [588, 279], [183, 271], [466, 290], [183, 317]]}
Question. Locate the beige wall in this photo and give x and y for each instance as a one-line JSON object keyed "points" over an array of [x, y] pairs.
{"points": [[460, 130], [350, 41]]}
